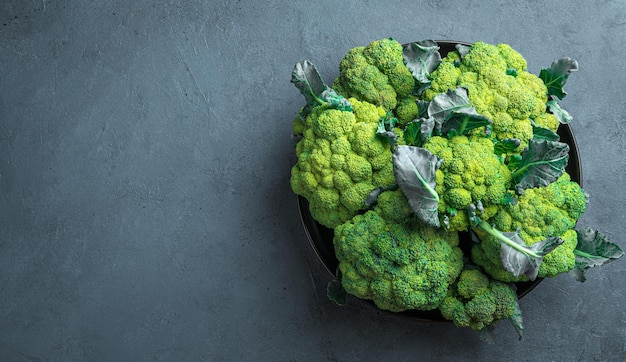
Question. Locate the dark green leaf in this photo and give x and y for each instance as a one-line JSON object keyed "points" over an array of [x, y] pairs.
{"points": [[506, 145], [453, 112], [509, 199], [462, 122], [542, 163], [512, 71], [422, 58], [415, 168], [556, 76], [422, 108], [307, 79], [517, 257], [372, 197], [562, 115], [336, 292], [520, 262], [462, 49], [540, 133], [386, 128], [417, 132], [593, 249]]}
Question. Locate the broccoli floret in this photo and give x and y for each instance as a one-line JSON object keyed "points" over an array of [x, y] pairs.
{"points": [[376, 73], [340, 161], [476, 301], [397, 266], [499, 87], [539, 213], [470, 173], [394, 207], [406, 111]]}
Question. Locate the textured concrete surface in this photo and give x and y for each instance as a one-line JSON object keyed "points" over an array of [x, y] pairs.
{"points": [[145, 210]]}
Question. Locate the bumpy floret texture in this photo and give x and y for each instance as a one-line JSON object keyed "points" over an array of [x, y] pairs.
{"points": [[539, 213], [340, 161], [376, 73], [512, 102], [397, 266], [394, 207], [477, 301], [470, 173]]}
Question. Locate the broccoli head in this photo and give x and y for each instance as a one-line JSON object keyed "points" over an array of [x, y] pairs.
{"points": [[340, 161], [499, 87], [397, 266], [476, 301], [539, 213], [470, 173], [376, 73]]}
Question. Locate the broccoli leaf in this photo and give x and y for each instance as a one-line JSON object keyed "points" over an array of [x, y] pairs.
{"points": [[415, 168], [461, 122], [462, 49], [517, 320], [541, 133], [307, 79], [453, 112], [556, 76], [336, 101], [541, 163], [372, 197], [593, 249], [517, 257], [386, 128], [335, 290], [512, 71], [422, 108], [422, 58], [562, 115], [506, 145], [417, 132]]}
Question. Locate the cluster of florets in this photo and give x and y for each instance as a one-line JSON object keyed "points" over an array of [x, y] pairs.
{"points": [[386, 253]]}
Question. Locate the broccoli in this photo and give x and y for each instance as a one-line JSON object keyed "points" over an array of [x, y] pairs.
{"points": [[499, 87], [538, 213], [397, 266], [394, 207], [340, 161], [470, 173], [476, 301], [376, 73]]}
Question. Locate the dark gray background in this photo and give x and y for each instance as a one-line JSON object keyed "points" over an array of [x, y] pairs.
{"points": [[146, 213]]}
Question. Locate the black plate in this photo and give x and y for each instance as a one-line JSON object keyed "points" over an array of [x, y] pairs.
{"points": [[321, 237]]}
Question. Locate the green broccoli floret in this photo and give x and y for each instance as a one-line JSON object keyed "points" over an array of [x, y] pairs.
{"points": [[499, 87], [470, 173], [539, 213], [340, 161], [406, 111], [376, 73], [397, 266], [476, 301], [394, 207]]}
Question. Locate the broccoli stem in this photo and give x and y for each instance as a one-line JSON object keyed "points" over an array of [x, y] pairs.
{"points": [[498, 235]]}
